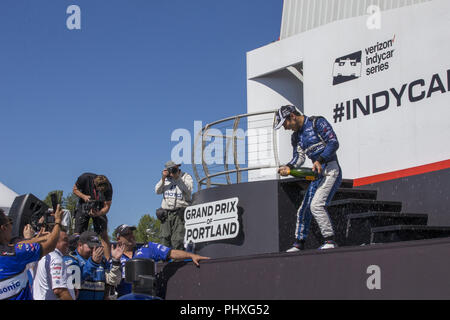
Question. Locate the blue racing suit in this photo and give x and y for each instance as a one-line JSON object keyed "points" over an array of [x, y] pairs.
{"points": [[14, 284], [151, 250], [316, 140], [92, 275]]}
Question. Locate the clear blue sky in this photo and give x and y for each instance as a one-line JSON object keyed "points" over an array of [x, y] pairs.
{"points": [[106, 98]]}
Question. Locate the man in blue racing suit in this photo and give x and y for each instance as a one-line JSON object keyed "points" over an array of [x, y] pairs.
{"points": [[125, 236], [94, 271], [14, 284], [312, 137]]}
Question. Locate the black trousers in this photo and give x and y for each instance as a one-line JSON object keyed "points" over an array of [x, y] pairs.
{"points": [[82, 218]]}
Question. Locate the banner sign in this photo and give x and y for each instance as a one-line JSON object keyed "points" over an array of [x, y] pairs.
{"points": [[385, 91], [211, 221]]}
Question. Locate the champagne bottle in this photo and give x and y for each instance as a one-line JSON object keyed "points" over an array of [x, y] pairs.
{"points": [[303, 172]]}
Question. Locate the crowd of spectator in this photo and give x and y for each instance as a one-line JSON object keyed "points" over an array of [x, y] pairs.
{"points": [[85, 265]]}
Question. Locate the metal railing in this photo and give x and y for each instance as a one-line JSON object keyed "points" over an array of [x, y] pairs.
{"points": [[259, 127]]}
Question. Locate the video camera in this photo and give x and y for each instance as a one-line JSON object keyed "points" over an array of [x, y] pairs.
{"points": [[95, 205], [43, 218]]}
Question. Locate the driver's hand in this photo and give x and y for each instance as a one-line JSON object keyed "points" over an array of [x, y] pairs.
{"points": [[317, 167], [284, 171]]}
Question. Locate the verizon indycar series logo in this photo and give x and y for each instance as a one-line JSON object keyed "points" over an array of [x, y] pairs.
{"points": [[376, 59], [347, 68]]}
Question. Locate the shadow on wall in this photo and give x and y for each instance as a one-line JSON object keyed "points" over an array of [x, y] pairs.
{"points": [[286, 84]]}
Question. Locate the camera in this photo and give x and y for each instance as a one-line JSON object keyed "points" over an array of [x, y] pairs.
{"points": [[173, 170], [43, 218], [94, 205]]}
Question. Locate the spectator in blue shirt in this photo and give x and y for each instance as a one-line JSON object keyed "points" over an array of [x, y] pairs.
{"points": [[14, 282], [125, 236], [90, 262]]}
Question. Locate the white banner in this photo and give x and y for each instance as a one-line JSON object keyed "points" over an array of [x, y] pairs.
{"points": [[211, 221], [385, 91]]}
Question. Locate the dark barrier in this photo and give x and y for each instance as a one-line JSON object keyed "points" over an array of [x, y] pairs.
{"points": [[23, 209], [404, 270]]}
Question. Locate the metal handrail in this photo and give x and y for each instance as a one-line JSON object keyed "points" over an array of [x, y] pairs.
{"points": [[230, 140], [234, 171]]}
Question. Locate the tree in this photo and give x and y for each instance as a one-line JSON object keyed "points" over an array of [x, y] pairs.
{"points": [[148, 229], [70, 203], [48, 199]]}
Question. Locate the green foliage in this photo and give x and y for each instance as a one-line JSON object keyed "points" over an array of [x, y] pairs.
{"points": [[70, 202], [148, 229], [48, 199]]}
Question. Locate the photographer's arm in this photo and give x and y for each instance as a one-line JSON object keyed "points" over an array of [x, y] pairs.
{"points": [[105, 209], [186, 185], [159, 188], [79, 194]]}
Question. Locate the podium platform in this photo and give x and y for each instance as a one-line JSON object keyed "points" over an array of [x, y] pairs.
{"points": [[267, 213]]}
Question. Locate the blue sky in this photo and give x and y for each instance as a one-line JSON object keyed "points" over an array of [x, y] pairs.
{"points": [[106, 98]]}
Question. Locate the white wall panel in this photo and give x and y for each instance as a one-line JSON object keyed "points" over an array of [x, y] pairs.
{"points": [[302, 15]]}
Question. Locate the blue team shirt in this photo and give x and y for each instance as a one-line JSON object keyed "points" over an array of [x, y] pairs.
{"points": [[92, 276], [151, 250], [14, 284]]}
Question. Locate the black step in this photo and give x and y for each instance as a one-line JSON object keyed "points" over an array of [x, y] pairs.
{"points": [[339, 210], [350, 193], [348, 206], [407, 233], [347, 183], [359, 225]]}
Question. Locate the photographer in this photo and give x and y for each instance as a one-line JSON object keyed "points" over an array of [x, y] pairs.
{"points": [[95, 197], [14, 284], [176, 187]]}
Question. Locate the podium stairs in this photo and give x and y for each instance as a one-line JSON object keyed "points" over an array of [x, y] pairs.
{"points": [[359, 218]]}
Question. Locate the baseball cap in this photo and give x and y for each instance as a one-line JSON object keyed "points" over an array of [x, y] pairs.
{"points": [[123, 229], [170, 164], [282, 114], [90, 238], [73, 241]]}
